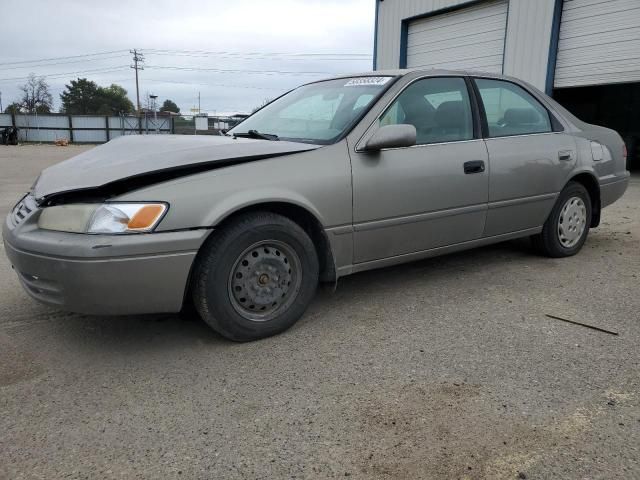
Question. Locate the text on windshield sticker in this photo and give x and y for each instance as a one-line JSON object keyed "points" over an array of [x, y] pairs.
{"points": [[366, 81]]}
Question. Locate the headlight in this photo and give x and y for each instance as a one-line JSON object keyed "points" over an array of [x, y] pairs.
{"points": [[103, 218]]}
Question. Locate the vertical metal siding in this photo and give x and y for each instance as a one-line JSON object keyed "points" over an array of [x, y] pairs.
{"points": [[599, 43], [437, 42], [526, 52], [5, 120], [390, 16], [528, 40], [86, 128], [41, 121]]}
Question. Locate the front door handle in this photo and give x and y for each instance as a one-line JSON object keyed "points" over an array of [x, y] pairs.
{"points": [[565, 155], [474, 166]]}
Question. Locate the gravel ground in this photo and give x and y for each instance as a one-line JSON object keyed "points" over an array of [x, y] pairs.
{"points": [[445, 368]]}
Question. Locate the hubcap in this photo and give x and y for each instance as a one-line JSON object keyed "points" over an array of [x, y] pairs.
{"points": [[572, 222], [264, 280]]}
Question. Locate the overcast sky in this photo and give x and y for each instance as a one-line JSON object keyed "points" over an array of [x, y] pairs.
{"points": [[188, 36]]}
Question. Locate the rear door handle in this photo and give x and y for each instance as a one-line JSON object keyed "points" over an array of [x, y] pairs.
{"points": [[474, 166], [565, 155]]}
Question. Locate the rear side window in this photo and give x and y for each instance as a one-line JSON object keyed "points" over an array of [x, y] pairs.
{"points": [[439, 108], [511, 110]]}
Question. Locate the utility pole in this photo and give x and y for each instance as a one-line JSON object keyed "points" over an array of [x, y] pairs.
{"points": [[1, 110], [138, 59], [199, 111]]}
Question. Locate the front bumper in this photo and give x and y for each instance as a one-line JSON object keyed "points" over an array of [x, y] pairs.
{"points": [[102, 274]]}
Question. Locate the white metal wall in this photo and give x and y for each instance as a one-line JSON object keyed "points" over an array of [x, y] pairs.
{"points": [[439, 41], [529, 28], [90, 129], [599, 43], [5, 120], [390, 16], [526, 52]]}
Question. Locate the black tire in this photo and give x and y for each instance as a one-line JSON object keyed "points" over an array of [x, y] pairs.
{"points": [[241, 302], [550, 242]]}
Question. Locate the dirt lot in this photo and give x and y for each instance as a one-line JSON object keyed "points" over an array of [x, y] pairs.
{"points": [[446, 368]]}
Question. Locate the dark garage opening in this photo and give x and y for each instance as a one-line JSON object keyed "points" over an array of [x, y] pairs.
{"points": [[615, 106]]}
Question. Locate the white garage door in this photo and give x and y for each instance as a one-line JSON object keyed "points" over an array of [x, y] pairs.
{"points": [[467, 39], [599, 42]]}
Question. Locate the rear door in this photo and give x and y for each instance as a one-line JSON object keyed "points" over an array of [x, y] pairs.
{"points": [[412, 199], [530, 157]]}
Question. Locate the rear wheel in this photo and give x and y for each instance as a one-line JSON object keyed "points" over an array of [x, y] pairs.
{"points": [[256, 276], [567, 227]]}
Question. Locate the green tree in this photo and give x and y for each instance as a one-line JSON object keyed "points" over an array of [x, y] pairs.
{"points": [[36, 96], [14, 108], [169, 106], [84, 97], [113, 100], [80, 97]]}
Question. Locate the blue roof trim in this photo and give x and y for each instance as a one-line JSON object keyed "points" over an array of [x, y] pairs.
{"points": [[506, 34], [375, 38], [553, 47], [404, 39]]}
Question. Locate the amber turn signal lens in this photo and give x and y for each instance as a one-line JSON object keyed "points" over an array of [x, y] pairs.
{"points": [[146, 217]]}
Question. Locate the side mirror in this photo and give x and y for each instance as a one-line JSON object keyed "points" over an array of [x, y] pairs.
{"points": [[392, 136]]}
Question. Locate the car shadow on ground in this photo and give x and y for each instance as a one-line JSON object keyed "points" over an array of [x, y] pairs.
{"points": [[186, 328]]}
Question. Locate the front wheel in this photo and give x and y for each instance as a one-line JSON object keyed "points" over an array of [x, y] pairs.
{"points": [[567, 227], [255, 277]]}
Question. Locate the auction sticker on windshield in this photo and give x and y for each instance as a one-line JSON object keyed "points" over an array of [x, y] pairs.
{"points": [[366, 81]]}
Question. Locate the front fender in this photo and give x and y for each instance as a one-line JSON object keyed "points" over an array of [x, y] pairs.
{"points": [[318, 181], [248, 198]]}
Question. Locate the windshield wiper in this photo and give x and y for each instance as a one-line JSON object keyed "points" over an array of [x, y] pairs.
{"points": [[257, 134]]}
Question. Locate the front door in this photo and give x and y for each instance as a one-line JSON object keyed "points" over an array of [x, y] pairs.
{"points": [[407, 200]]}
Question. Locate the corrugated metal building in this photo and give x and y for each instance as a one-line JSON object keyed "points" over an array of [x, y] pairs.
{"points": [[585, 53]]}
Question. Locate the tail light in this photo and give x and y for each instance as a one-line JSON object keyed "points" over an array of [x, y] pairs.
{"points": [[625, 153]]}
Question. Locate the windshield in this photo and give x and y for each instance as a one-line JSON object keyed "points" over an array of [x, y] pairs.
{"points": [[316, 113]]}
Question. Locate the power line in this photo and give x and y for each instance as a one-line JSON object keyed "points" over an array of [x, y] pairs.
{"points": [[280, 54], [190, 53], [265, 57], [62, 58], [251, 87], [63, 63], [221, 70], [80, 72]]}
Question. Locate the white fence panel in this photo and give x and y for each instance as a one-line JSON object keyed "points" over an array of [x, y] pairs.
{"points": [[42, 121], [90, 136], [5, 120], [84, 128], [88, 122], [42, 135]]}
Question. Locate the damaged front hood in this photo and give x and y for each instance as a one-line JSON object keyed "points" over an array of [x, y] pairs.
{"points": [[136, 157]]}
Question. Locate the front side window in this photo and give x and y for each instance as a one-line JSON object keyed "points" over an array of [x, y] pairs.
{"points": [[318, 113], [438, 107], [511, 110]]}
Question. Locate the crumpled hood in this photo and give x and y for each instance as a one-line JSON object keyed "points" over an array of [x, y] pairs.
{"points": [[138, 155]]}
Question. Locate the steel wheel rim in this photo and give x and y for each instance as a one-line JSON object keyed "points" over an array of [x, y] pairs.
{"points": [[265, 280], [572, 222]]}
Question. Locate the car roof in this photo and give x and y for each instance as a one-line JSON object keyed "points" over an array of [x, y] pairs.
{"points": [[401, 72]]}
